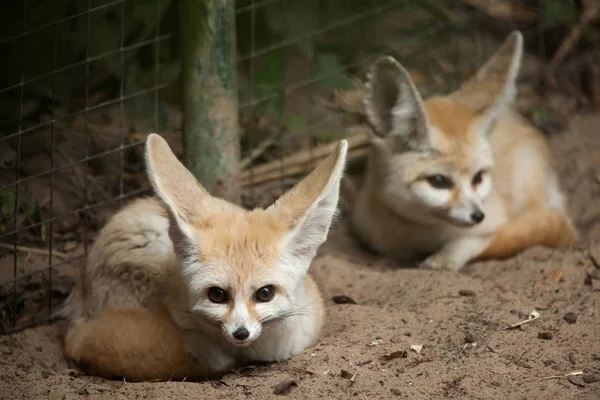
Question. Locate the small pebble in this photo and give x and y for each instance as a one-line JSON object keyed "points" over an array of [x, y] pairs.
{"points": [[577, 381], [573, 358], [570, 317], [343, 300], [284, 386], [45, 373], [397, 339], [70, 246], [591, 378], [466, 293], [396, 391], [71, 372], [470, 338], [545, 335]]}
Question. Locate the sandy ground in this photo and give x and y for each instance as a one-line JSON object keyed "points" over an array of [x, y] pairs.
{"points": [[457, 317]]}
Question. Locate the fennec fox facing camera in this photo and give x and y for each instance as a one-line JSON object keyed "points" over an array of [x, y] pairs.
{"points": [[188, 285], [457, 177]]}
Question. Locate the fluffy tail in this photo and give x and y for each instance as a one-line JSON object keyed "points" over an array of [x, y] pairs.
{"points": [[541, 227], [138, 345]]}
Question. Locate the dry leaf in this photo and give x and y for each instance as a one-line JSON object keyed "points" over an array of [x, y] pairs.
{"points": [[555, 275], [395, 354], [346, 374], [416, 348], [284, 386]]}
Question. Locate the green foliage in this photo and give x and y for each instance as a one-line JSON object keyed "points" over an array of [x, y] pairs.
{"points": [[331, 71], [295, 123], [299, 23], [28, 207], [89, 35], [544, 114], [268, 83], [325, 137], [7, 197], [559, 11]]}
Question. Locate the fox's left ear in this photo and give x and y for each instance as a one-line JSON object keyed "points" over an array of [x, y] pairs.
{"points": [[493, 87], [309, 207], [393, 104], [185, 198]]}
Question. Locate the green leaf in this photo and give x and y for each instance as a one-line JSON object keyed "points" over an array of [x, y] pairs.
{"points": [[544, 114], [270, 74], [8, 203], [275, 105], [325, 137], [331, 72], [294, 122], [294, 20], [556, 11]]}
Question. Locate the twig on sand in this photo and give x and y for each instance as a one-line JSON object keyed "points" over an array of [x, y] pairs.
{"points": [[33, 250]]}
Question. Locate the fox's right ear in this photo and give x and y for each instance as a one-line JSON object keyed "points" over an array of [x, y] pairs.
{"points": [[309, 207], [393, 104], [494, 86], [173, 183]]}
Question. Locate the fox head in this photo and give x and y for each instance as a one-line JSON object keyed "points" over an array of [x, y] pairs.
{"points": [[433, 158], [243, 271]]}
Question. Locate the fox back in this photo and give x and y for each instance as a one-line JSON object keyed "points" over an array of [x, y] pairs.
{"points": [[185, 284], [448, 175]]}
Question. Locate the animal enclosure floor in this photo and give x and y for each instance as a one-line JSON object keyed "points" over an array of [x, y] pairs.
{"points": [[458, 318]]}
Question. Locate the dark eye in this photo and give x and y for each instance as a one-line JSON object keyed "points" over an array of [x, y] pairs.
{"points": [[439, 181], [217, 295], [477, 178], [265, 293]]}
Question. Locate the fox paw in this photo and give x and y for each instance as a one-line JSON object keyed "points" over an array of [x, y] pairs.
{"points": [[439, 262]]}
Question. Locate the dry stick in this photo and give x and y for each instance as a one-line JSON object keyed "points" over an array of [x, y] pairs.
{"points": [[302, 162], [259, 150], [34, 250], [503, 9], [591, 10], [294, 167]]}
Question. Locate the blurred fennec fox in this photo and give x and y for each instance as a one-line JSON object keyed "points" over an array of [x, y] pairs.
{"points": [[457, 177], [189, 285]]}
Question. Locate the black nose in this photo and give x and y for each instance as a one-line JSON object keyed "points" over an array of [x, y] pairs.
{"points": [[477, 216], [241, 334]]}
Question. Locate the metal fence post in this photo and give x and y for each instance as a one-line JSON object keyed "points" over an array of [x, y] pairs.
{"points": [[209, 94]]}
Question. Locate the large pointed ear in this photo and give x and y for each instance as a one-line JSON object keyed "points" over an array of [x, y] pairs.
{"points": [[493, 87], [173, 183], [309, 207], [393, 104]]}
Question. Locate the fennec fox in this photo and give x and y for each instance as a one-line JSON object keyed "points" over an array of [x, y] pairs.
{"points": [[457, 177], [189, 285]]}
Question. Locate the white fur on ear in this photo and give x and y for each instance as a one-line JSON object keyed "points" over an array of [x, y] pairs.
{"points": [[179, 190], [172, 182], [309, 208], [393, 103], [494, 86]]}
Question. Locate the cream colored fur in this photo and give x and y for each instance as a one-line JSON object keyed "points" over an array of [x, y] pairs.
{"points": [[142, 307], [498, 165]]}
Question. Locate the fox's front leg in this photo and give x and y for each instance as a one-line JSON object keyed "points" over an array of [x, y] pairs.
{"points": [[456, 253]]}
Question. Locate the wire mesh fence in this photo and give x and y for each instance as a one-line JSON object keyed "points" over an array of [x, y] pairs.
{"points": [[84, 81]]}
